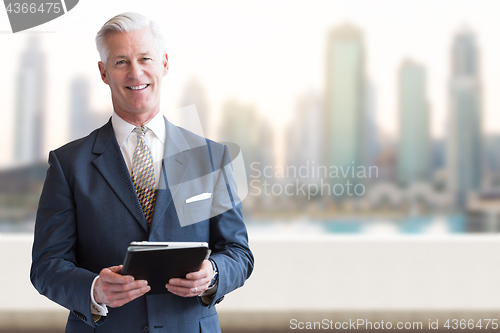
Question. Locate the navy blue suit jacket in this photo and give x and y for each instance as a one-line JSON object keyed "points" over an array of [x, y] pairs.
{"points": [[89, 213]]}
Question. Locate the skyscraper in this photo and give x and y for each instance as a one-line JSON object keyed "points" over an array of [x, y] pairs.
{"points": [[345, 99], [82, 119], [30, 105], [464, 153], [372, 137], [305, 136], [240, 125], [195, 93], [414, 151]]}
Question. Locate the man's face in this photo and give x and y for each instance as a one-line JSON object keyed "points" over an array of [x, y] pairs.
{"points": [[134, 71]]}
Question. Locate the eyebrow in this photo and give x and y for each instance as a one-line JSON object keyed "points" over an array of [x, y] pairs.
{"points": [[125, 57]]}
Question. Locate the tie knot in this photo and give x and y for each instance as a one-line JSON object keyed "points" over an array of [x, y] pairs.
{"points": [[141, 131]]}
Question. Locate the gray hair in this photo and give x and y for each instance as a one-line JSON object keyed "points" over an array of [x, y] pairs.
{"points": [[127, 22]]}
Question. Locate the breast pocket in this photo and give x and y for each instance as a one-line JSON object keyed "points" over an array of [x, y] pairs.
{"points": [[195, 212], [204, 204]]}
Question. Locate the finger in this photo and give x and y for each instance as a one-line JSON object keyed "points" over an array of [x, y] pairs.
{"points": [[121, 298], [190, 283], [201, 274], [123, 287], [118, 294], [107, 275], [126, 295], [129, 294], [179, 293], [206, 270], [116, 269], [184, 292], [184, 283], [192, 290]]}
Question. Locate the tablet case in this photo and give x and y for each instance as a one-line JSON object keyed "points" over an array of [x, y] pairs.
{"points": [[160, 265]]}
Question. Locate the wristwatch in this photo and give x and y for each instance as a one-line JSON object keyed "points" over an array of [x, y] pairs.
{"points": [[216, 274]]}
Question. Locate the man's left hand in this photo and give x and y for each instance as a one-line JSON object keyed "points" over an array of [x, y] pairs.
{"points": [[194, 284]]}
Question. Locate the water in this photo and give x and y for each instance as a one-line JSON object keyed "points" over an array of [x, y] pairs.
{"points": [[454, 224], [440, 225], [17, 227]]}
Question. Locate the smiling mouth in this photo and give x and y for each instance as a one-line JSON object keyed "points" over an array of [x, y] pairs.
{"points": [[140, 87]]}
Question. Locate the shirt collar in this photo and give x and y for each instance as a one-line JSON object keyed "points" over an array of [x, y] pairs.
{"points": [[123, 128]]}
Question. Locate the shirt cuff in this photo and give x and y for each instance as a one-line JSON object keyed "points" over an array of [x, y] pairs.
{"points": [[96, 308], [208, 294], [211, 291]]}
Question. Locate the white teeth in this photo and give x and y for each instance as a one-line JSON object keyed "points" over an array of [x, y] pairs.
{"points": [[142, 86]]}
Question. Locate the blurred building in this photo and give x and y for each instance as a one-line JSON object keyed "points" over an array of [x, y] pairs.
{"points": [[464, 146], [492, 150], [304, 137], [438, 166], [194, 93], [265, 150], [345, 119], [304, 140], [263, 156], [20, 189], [414, 150], [373, 144], [483, 212], [29, 137], [82, 119], [438, 154], [240, 125]]}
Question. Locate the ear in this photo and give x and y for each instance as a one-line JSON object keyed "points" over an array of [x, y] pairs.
{"points": [[104, 74], [164, 61]]}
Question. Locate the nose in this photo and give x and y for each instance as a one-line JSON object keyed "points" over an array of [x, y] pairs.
{"points": [[135, 71]]}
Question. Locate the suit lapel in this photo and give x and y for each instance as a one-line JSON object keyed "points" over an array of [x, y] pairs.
{"points": [[112, 167], [175, 165]]}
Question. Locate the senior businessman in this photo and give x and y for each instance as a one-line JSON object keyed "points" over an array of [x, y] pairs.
{"points": [[136, 178]]}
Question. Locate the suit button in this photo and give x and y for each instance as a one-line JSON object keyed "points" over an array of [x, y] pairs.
{"points": [[219, 300], [145, 329]]}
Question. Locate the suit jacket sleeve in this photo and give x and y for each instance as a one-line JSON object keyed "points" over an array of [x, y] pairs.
{"points": [[228, 234], [54, 271]]}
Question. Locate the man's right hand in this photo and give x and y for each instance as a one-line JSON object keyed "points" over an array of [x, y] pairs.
{"points": [[115, 290]]}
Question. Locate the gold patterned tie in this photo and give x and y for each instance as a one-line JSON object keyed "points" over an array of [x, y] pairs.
{"points": [[143, 175]]}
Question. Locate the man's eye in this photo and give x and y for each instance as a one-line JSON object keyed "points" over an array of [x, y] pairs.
{"points": [[146, 59], [120, 62]]}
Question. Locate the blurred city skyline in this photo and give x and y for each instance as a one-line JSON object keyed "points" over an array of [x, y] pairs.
{"points": [[270, 64], [81, 119], [336, 120]]}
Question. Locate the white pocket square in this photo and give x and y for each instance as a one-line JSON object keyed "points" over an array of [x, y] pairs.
{"points": [[199, 197]]}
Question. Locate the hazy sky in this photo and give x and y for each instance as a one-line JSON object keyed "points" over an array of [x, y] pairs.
{"points": [[264, 53]]}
